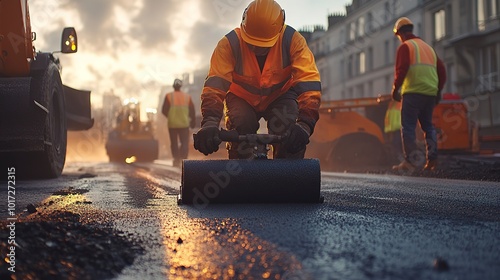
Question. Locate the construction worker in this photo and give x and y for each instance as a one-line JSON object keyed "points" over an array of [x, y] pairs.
{"points": [[178, 107], [392, 128], [262, 69], [418, 80]]}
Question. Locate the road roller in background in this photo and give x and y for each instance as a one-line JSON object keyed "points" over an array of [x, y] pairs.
{"points": [[254, 180], [132, 139], [36, 109], [349, 133]]}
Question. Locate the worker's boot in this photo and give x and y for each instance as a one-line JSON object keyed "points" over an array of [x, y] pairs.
{"points": [[404, 166], [430, 165]]}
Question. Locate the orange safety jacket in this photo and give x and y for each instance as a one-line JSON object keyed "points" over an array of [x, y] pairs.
{"points": [[289, 65]]}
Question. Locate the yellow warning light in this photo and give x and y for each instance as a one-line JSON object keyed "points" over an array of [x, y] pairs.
{"points": [[131, 159]]}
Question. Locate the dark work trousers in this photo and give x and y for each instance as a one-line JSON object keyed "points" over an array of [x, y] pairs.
{"points": [[280, 115], [179, 136], [418, 107]]}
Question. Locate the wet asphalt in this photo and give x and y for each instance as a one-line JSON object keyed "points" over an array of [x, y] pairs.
{"points": [[369, 227]]}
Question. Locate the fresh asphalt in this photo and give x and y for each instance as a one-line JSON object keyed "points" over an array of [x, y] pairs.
{"points": [[369, 226]]}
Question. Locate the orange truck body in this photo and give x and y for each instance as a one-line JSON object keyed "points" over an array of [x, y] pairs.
{"points": [[36, 109]]}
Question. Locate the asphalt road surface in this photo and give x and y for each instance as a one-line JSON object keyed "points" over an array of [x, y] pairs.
{"points": [[369, 226]]}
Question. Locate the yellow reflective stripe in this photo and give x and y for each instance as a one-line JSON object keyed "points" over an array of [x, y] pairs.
{"points": [[416, 50]]}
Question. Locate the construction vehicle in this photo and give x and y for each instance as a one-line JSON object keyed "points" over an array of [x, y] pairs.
{"points": [[254, 180], [349, 132], [131, 139], [36, 108]]}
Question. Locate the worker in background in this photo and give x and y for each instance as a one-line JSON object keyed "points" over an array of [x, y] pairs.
{"points": [[178, 107], [418, 80], [392, 129], [262, 69]]}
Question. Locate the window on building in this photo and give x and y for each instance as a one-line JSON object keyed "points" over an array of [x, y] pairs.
{"points": [[360, 91], [481, 15], [342, 36], [370, 25], [493, 9], [362, 62], [387, 11], [486, 10], [349, 67], [388, 83], [342, 70], [352, 31], [439, 25], [387, 51], [361, 26], [369, 61], [488, 75]]}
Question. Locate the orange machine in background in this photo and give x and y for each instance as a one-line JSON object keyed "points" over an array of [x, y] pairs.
{"points": [[454, 128], [350, 133]]}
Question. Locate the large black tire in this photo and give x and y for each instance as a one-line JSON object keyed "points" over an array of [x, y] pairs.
{"points": [[49, 90]]}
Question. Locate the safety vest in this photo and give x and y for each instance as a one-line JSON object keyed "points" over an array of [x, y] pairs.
{"points": [[422, 74], [260, 88], [178, 115], [392, 121]]}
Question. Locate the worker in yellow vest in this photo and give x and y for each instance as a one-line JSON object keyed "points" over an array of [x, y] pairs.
{"points": [[392, 129], [178, 107], [418, 80], [262, 69]]}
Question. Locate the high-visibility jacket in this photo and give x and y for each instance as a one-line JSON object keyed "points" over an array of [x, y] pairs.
{"points": [[289, 65], [179, 110], [422, 76], [392, 121]]}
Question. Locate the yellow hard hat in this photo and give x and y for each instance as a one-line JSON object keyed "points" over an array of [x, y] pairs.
{"points": [[402, 21], [262, 23]]}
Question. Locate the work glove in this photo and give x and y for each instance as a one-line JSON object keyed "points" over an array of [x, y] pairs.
{"points": [[206, 140], [438, 97], [396, 95], [298, 138]]}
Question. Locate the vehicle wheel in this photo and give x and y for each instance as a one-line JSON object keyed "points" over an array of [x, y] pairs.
{"points": [[357, 150], [50, 162]]}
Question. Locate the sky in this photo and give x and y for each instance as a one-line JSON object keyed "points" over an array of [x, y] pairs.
{"points": [[136, 47]]}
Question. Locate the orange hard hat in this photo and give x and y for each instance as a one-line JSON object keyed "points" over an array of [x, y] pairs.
{"points": [[262, 23], [402, 21]]}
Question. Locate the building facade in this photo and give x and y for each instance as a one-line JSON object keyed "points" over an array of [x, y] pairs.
{"points": [[356, 53]]}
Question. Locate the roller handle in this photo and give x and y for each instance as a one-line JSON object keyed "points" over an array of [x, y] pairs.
{"points": [[233, 136]]}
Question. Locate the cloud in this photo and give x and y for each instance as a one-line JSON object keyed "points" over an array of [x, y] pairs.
{"points": [[151, 27]]}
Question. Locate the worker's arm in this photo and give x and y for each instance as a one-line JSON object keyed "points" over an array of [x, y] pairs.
{"points": [[401, 69], [166, 106], [307, 82], [217, 83]]}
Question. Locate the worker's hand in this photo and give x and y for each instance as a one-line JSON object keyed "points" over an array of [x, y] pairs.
{"points": [[298, 138], [396, 95], [206, 140]]}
